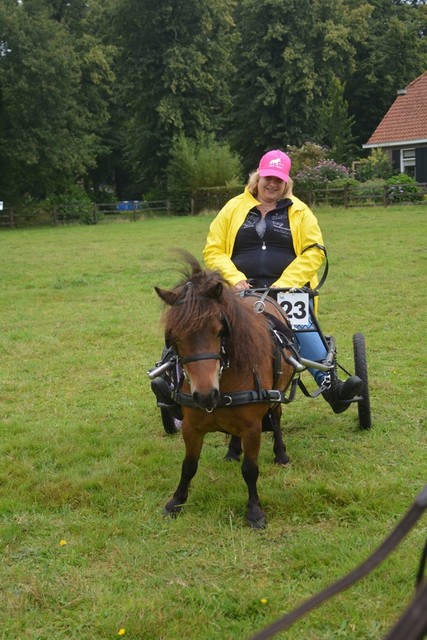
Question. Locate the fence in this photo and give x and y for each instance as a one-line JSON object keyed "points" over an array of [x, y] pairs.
{"points": [[345, 196], [212, 200], [75, 213], [129, 210], [364, 195]]}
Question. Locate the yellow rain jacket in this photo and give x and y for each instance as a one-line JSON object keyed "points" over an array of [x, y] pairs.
{"points": [[305, 233]]}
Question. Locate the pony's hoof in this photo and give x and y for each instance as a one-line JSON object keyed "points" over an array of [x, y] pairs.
{"points": [[171, 511], [256, 519], [282, 461], [258, 524], [232, 457]]}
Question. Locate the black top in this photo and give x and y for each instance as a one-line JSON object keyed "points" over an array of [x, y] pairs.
{"points": [[263, 247]]}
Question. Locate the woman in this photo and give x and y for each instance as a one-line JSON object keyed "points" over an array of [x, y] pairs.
{"points": [[266, 237]]}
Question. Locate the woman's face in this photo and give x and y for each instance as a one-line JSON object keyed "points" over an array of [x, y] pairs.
{"points": [[270, 188]]}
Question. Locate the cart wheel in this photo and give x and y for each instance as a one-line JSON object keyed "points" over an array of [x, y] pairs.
{"points": [[170, 424], [361, 370]]}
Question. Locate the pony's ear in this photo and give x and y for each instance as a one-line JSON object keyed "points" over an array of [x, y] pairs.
{"points": [[215, 291], [169, 297]]}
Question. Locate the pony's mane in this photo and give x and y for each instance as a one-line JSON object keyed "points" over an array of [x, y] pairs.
{"points": [[203, 295]]}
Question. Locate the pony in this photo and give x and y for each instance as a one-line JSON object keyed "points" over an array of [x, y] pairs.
{"points": [[225, 346]]}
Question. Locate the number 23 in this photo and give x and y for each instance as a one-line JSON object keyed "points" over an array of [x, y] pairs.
{"points": [[296, 310]]}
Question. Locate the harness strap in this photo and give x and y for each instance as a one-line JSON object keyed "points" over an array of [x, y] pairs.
{"points": [[306, 392], [281, 326], [285, 343], [242, 397]]}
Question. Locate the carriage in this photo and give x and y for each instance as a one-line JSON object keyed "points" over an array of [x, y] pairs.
{"points": [[231, 361]]}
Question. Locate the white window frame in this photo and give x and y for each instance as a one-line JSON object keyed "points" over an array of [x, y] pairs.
{"points": [[407, 161]]}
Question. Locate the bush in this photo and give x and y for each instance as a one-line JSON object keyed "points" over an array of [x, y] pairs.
{"points": [[311, 183], [372, 191], [309, 155], [377, 166], [214, 198], [324, 172], [199, 163], [340, 183], [196, 164], [180, 201], [339, 190], [403, 188], [73, 204]]}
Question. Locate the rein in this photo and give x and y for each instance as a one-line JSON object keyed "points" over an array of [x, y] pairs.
{"points": [[400, 631]]}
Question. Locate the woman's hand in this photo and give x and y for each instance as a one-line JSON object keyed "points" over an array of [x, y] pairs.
{"points": [[241, 286]]}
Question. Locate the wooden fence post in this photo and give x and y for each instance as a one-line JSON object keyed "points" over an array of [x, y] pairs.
{"points": [[385, 198]]}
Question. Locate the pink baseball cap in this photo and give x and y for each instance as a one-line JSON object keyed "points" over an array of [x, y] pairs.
{"points": [[275, 163]]}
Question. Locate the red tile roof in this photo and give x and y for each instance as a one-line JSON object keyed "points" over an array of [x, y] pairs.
{"points": [[406, 120]]}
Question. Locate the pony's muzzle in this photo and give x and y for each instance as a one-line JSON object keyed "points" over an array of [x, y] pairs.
{"points": [[207, 401]]}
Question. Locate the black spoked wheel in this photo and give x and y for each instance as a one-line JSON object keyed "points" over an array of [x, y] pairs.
{"points": [[170, 424], [361, 370]]}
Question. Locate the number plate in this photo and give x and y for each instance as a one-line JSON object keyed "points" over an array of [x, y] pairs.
{"points": [[296, 307]]}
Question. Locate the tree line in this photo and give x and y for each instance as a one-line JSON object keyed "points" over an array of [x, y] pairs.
{"points": [[109, 96]]}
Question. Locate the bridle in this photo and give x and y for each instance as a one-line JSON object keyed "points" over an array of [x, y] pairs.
{"points": [[210, 355]]}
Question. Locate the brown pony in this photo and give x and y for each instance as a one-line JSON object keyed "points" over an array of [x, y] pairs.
{"points": [[226, 350]]}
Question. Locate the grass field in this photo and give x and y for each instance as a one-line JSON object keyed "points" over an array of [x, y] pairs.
{"points": [[86, 467]]}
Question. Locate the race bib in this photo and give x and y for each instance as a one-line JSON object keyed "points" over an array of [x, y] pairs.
{"points": [[296, 306]]}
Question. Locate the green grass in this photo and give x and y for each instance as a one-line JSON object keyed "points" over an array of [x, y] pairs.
{"points": [[85, 461]]}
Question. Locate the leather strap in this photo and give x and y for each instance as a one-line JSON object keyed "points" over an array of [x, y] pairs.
{"points": [[389, 544], [325, 272], [242, 397]]}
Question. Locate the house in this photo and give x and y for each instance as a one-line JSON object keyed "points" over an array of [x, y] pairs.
{"points": [[403, 130]]}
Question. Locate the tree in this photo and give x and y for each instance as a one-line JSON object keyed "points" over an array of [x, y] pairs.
{"points": [[53, 99], [393, 54], [174, 68], [258, 74], [288, 53], [338, 125]]}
